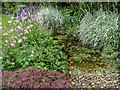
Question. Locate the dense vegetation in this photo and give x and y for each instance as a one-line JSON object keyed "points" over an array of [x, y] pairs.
{"points": [[29, 39]]}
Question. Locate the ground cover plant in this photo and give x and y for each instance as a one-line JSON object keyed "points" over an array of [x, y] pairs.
{"points": [[35, 78]]}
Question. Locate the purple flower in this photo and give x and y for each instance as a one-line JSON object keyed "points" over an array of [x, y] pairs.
{"points": [[45, 24], [30, 2], [14, 41]]}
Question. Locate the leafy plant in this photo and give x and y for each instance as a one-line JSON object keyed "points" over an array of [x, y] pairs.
{"points": [[31, 45], [35, 78], [99, 30]]}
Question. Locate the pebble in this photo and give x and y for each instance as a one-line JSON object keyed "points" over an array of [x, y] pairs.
{"points": [[89, 80]]}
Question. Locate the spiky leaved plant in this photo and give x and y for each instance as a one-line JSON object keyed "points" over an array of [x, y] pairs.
{"points": [[51, 17], [99, 30]]}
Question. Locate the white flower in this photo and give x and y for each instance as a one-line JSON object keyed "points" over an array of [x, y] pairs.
{"points": [[19, 41], [31, 55], [0, 27], [28, 27], [32, 52], [12, 17], [0, 23], [15, 36], [12, 63], [12, 37], [6, 41], [13, 45], [1, 57], [3, 34], [21, 34]]}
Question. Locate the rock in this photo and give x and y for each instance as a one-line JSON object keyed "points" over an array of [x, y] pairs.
{"points": [[92, 83], [78, 86], [72, 83]]}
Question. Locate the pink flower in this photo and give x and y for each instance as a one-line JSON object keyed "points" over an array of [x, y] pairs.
{"points": [[5, 27], [24, 18], [13, 45], [31, 25], [10, 21], [18, 5], [12, 63], [11, 30], [21, 24], [32, 52], [12, 17], [6, 33], [17, 21], [19, 27], [19, 41], [24, 37], [26, 31], [6, 41]]}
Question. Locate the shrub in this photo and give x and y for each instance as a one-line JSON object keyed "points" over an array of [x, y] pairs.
{"points": [[99, 30], [35, 78], [50, 17]]}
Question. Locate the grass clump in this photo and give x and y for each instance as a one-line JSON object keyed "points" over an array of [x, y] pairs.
{"points": [[51, 17], [99, 30]]}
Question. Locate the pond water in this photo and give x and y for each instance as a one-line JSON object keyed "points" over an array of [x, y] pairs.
{"points": [[81, 56]]}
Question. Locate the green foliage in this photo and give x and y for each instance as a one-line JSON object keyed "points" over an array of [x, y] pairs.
{"points": [[40, 51], [50, 17], [99, 30]]}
